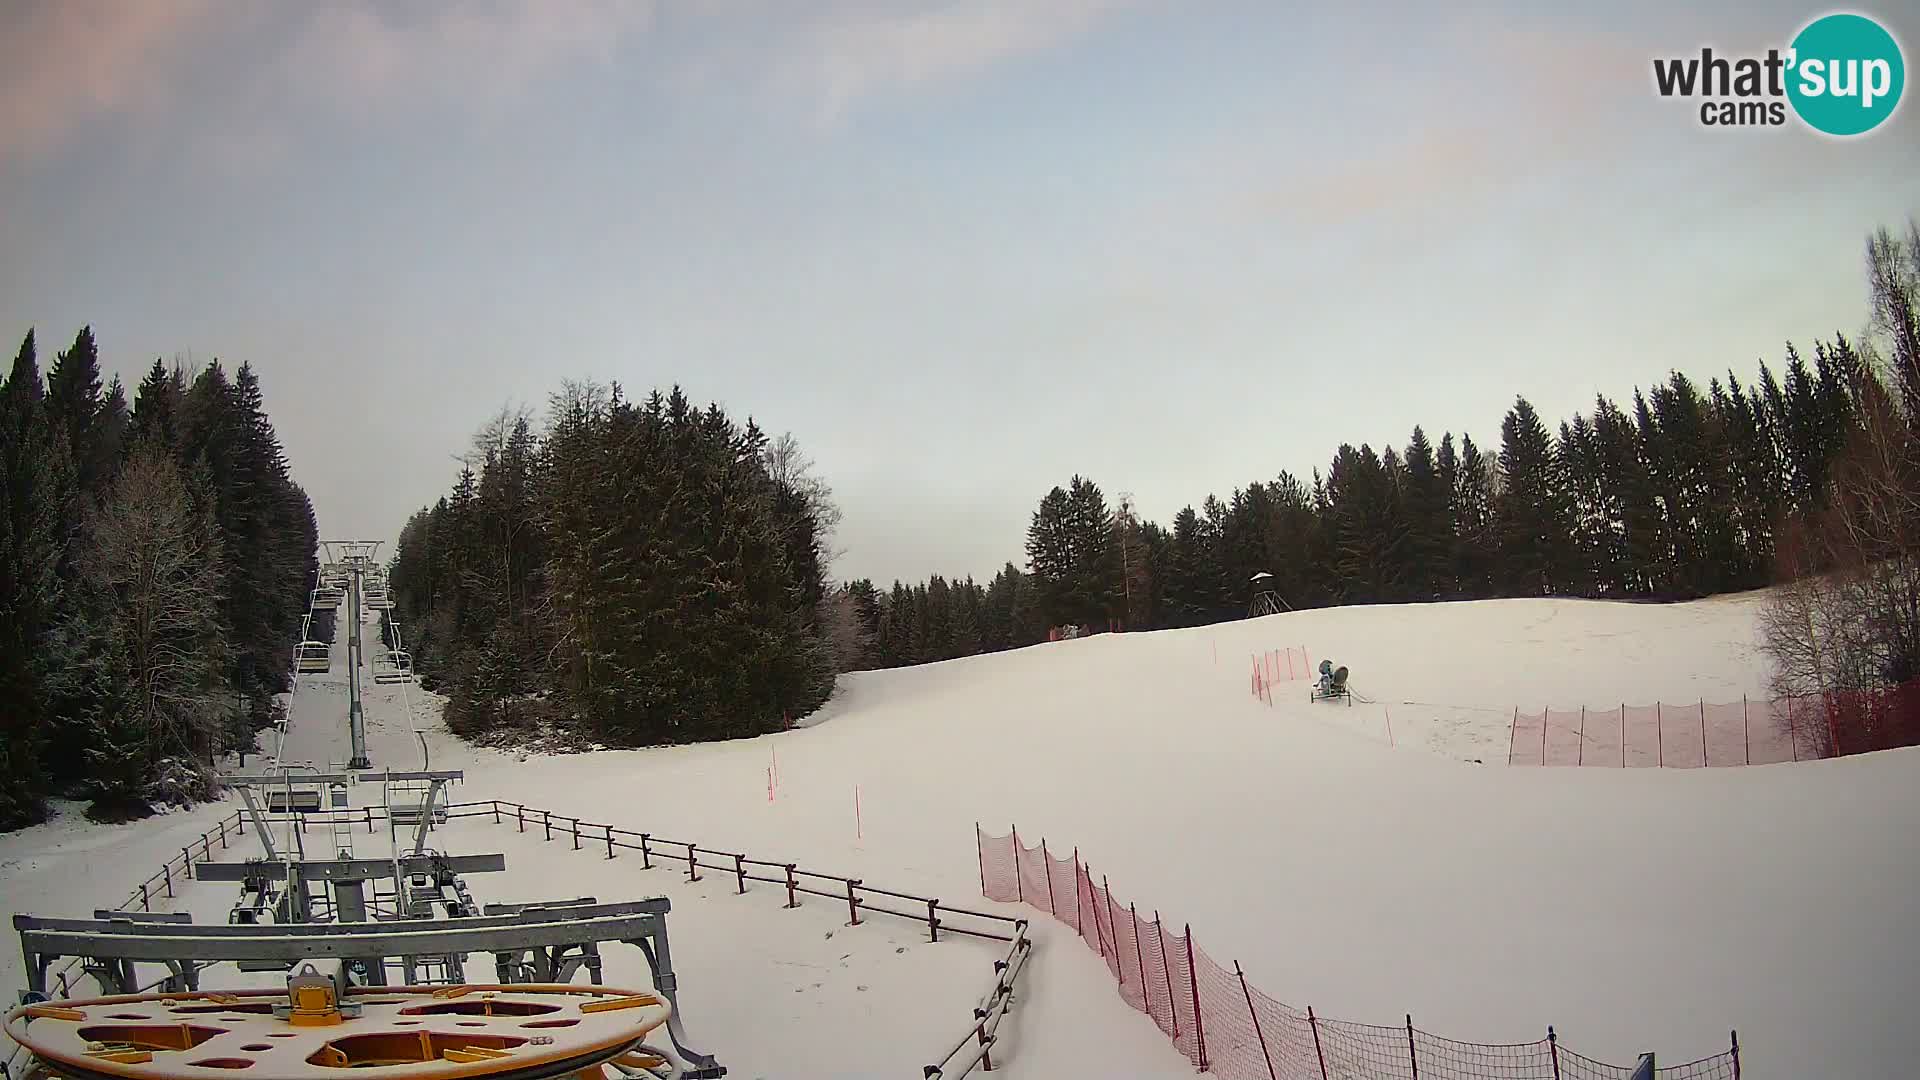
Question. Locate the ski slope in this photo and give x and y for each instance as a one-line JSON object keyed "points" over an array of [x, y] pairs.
{"points": [[1631, 909]]}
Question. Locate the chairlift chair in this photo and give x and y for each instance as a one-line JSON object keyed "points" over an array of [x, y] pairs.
{"points": [[312, 656], [393, 667], [327, 598]]}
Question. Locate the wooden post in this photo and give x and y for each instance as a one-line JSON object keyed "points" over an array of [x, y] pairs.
{"points": [[609, 841], [166, 871], [853, 902], [1019, 890], [1553, 1051], [1193, 983], [1793, 731], [519, 815], [980, 853], [1166, 969], [1114, 929], [740, 873], [546, 824], [933, 920], [1265, 1054], [1098, 941], [646, 857], [693, 862], [223, 834], [1046, 861], [1140, 959], [1412, 1054], [143, 896], [793, 900], [496, 811], [576, 834], [1746, 728], [1736, 1054]]}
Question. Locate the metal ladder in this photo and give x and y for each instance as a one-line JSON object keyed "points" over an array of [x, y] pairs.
{"points": [[339, 822]]}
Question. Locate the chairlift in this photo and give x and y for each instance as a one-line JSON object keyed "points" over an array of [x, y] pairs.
{"points": [[312, 656], [393, 667], [327, 598]]}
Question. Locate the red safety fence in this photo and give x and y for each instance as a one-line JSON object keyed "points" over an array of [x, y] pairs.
{"points": [[1225, 1025], [1702, 733], [1278, 665]]}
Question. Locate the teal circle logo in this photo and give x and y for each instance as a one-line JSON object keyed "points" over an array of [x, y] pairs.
{"points": [[1846, 74]]}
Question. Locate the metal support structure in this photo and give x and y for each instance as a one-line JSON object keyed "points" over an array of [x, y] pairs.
{"points": [[348, 869], [259, 820], [357, 556], [568, 936], [356, 716]]}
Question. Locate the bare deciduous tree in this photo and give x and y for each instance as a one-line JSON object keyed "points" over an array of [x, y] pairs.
{"points": [[150, 632], [790, 467]]}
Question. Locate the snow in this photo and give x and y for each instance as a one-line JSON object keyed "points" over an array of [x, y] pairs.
{"points": [[1632, 909]]}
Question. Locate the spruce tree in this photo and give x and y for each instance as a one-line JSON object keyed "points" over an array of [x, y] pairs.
{"points": [[36, 489], [1429, 528], [1050, 556], [1530, 513], [1477, 548]]}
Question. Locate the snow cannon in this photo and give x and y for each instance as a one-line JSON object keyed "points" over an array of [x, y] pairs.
{"points": [[313, 1030], [1332, 684]]}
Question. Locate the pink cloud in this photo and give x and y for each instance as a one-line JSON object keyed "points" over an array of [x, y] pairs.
{"points": [[65, 61], [386, 53], [855, 53]]}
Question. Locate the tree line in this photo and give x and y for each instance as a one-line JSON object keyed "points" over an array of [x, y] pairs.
{"points": [[155, 560], [1684, 491], [634, 573]]}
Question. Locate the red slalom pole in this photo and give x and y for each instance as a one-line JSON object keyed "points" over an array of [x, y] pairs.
{"points": [[1389, 712], [857, 832]]}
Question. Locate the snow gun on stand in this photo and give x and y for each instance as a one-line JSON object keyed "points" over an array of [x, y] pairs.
{"points": [[1332, 684]]}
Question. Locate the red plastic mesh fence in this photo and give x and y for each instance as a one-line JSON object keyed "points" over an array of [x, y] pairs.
{"points": [[1227, 1026], [1276, 666], [1696, 733]]}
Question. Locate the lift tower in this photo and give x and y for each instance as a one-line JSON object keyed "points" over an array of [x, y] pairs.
{"points": [[357, 557]]}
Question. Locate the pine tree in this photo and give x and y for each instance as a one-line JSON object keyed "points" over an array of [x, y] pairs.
{"points": [[939, 620], [1050, 556], [1530, 513], [1478, 549], [156, 407], [1429, 527], [1366, 525], [35, 489], [1093, 563]]}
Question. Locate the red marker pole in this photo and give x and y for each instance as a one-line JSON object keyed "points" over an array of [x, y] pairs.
{"points": [[857, 833]]}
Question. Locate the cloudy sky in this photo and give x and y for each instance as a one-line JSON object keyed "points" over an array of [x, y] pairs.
{"points": [[962, 249]]}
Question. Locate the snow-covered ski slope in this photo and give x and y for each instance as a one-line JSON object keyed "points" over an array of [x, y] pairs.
{"points": [[1632, 909]]}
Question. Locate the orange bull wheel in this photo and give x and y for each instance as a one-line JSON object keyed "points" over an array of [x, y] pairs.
{"points": [[517, 1032]]}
